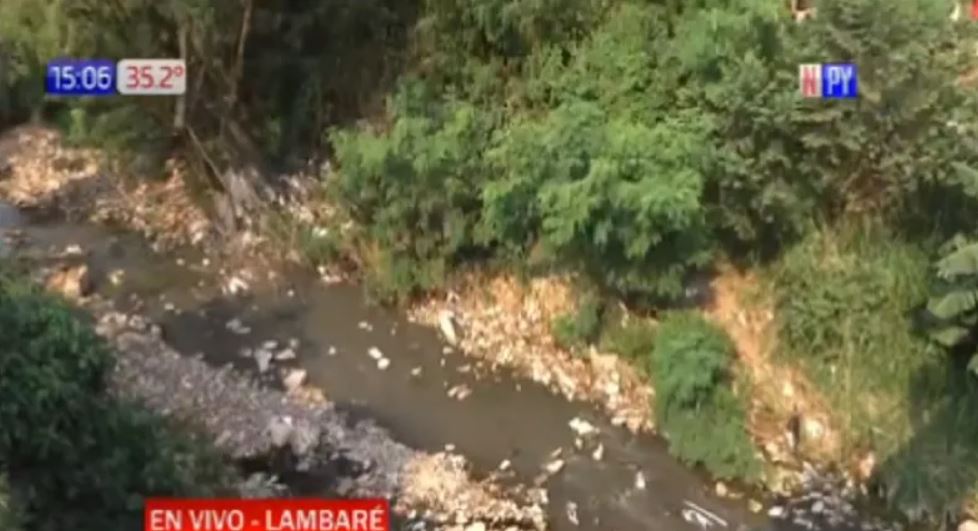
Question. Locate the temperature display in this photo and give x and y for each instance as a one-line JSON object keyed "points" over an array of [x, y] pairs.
{"points": [[151, 77]]}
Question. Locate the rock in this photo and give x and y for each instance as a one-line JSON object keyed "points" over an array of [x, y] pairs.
{"points": [[364, 325], [968, 525], [459, 392], [304, 438], [582, 427], [294, 379], [280, 430], [235, 326], [263, 358], [866, 466], [235, 285], [73, 250], [284, 355], [640, 480], [293, 343], [169, 307], [754, 506], [383, 364], [812, 429], [270, 345], [571, 511], [116, 276], [447, 325], [72, 282], [554, 466], [504, 465], [598, 453], [721, 489], [818, 507], [776, 512], [477, 526], [416, 372], [331, 351], [375, 353]]}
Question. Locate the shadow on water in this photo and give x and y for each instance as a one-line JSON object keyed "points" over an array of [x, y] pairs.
{"points": [[932, 473], [504, 418]]}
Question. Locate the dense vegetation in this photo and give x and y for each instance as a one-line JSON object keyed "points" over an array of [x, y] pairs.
{"points": [[695, 407], [75, 457], [632, 142]]}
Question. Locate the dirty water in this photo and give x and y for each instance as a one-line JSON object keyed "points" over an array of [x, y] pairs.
{"points": [[503, 419]]}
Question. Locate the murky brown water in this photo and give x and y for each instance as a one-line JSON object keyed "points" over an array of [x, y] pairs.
{"points": [[504, 418]]}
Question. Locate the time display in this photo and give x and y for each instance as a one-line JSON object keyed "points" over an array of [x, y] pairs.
{"points": [[81, 77]]}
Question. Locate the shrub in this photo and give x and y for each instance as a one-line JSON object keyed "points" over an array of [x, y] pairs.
{"points": [[11, 518], [416, 188], [600, 200], [844, 305], [80, 459], [695, 406], [953, 305], [582, 326]]}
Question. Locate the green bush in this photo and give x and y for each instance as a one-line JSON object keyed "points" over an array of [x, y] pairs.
{"points": [[77, 458], [11, 517], [695, 406], [953, 305], [416, 188], [845, 302], [582, 326], [598, 199], [781, 160]]}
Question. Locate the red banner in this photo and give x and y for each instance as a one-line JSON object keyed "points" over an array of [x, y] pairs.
{"points": [[171, 514]]}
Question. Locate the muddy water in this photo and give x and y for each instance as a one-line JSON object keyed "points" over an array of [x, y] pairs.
{"points": [[504, 418]]}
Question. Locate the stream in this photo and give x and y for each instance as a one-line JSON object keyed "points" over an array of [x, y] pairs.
{"points": [[504, 418]]}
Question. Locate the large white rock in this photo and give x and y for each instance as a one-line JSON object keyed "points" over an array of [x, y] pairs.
{"points": [[447, 325]]}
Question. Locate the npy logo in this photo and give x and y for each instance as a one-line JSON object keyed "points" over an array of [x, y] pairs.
{"points": [[828, 80]]}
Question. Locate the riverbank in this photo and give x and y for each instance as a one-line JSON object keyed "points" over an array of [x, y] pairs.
{"points": [[509, 331]]}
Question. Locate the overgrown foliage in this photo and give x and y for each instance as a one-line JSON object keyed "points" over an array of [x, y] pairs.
{"points": [[76, 458], [582, 326], [953, 306], [695, 405]]}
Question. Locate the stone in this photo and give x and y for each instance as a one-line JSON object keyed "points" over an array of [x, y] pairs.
{"points": [[74, 283], [818, 507], [294, 379], [598, 453], [640, 480], [721, 489], [447, 325], [582, 427], [476, 526], [776, 512], [754, 506], [813, 429], [571, 511], [73, 250], [416, 372], [554, 466], [264, 359], [116, 276], [270, 344], [303, 439], [968, 525], [383, 364], [375, 353], [505, 464], [286, 354], [280, 430]]}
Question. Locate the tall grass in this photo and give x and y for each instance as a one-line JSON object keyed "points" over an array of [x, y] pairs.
{"points": [[845, 301]]}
